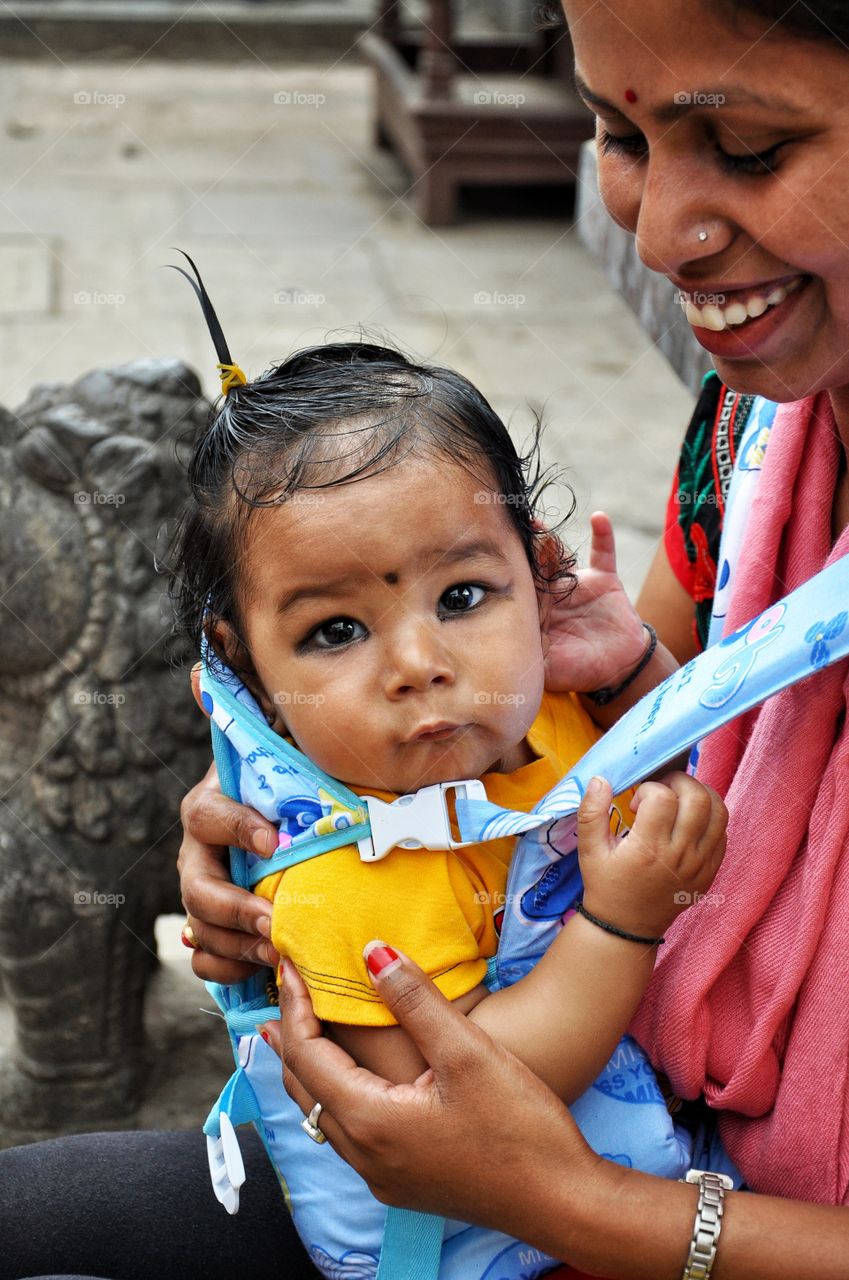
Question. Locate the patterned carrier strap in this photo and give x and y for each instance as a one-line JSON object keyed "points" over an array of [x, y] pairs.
{"points": [[800, 634]]}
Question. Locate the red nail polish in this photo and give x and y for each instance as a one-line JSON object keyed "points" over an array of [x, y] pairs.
{"points": [[262, 1031], [379, 957]]}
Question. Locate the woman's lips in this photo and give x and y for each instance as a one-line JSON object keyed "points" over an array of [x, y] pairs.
{"points": [[745, 340]]}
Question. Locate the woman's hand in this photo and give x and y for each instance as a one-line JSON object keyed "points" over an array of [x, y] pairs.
{"points": [[231, 925], [594, 635], [476, 1137]]}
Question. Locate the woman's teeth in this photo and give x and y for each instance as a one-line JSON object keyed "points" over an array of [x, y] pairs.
{"points": [[728, 314]]}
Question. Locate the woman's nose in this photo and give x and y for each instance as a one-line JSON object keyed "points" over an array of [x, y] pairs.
{"points": [[668, 210], [417, 658]]}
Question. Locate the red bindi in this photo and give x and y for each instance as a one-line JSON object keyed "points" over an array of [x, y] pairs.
{"points": [[630, 95]]}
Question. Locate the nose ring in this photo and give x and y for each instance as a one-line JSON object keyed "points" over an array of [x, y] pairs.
{"points": [[703, 235]]}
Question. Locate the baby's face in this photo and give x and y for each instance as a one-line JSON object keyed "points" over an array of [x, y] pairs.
{"points": [[394, 627]]}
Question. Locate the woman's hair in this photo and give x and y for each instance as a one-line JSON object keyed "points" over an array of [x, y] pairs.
{"points": [[812, 19], [327, 416], [826, 20]]}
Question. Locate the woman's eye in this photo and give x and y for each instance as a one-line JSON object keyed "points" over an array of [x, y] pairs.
{"points": [[631, 144], [459, 599], [751, 162], [336, 633]]}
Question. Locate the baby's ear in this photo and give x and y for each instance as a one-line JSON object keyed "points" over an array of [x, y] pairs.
{"points": [[554, 577], [230, 647]]}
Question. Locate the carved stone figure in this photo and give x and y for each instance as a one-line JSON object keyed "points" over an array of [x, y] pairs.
{"points": [[99, 735]]}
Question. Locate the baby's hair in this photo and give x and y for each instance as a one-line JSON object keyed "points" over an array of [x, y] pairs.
{"points": [[330, 415]]}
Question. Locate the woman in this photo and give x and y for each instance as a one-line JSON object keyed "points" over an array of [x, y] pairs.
{"points": [[723, 128]]}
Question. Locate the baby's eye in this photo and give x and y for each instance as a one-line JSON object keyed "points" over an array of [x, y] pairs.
{"points": [[462, 597], [336, 632]]}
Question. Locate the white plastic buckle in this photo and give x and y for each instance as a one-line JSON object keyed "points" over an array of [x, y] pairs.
{"points": [[416, 821], [226, 1166]]}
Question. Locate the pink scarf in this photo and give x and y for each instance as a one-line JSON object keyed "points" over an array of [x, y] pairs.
{"points": [[750, 998]]}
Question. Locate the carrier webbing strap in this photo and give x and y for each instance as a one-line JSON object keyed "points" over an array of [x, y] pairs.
{"points": [[412, 1246]]}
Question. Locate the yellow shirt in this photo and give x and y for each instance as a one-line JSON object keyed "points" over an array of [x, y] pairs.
{"points": [[438, 907]]}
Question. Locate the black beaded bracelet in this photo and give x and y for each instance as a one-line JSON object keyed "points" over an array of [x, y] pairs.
{"points": [[601, 697], [611, 928]]}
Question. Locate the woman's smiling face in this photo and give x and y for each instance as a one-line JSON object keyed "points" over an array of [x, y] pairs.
{"points": [[744, 133]]}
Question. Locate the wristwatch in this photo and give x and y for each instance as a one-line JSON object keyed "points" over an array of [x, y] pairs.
{"points": [[708, 1223]]}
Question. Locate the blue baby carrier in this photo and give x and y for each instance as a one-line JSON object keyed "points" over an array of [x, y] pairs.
{"points": [[623, 1116]]}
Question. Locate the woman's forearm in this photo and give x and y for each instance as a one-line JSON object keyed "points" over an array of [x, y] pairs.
{"points": [[626, 1225]]}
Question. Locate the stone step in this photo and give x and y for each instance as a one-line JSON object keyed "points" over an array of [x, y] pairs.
{"points": [[231, 30]]}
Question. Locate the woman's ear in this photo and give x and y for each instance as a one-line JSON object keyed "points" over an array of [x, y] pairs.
{"points": [[232, 649]]}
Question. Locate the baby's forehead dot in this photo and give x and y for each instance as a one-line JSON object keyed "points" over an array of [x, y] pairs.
{"points": [[391, 578], [630, 95]]}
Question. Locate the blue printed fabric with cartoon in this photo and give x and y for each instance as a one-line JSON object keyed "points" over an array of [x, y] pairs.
{"points": [[623, 1115]]}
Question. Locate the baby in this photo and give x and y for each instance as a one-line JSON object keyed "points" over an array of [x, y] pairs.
{"points": [[363, 548]]}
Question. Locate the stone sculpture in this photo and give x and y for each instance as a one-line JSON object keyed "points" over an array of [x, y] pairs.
{"points": [[100, 735]]}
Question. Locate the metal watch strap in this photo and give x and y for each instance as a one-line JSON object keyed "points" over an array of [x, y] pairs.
{"points": [[708, 1223]]}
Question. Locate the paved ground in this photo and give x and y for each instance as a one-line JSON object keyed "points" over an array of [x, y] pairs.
{"points": [[267, 175]]}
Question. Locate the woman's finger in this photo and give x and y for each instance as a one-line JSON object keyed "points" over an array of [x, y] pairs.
{"points": [[246, 945], [442, 1034], [214, 819]]}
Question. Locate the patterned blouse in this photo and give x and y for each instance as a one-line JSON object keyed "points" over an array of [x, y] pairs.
{"points": [[696, 507]]}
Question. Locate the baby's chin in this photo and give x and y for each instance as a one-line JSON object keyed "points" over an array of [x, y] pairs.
{"points": [[445, 768]]}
